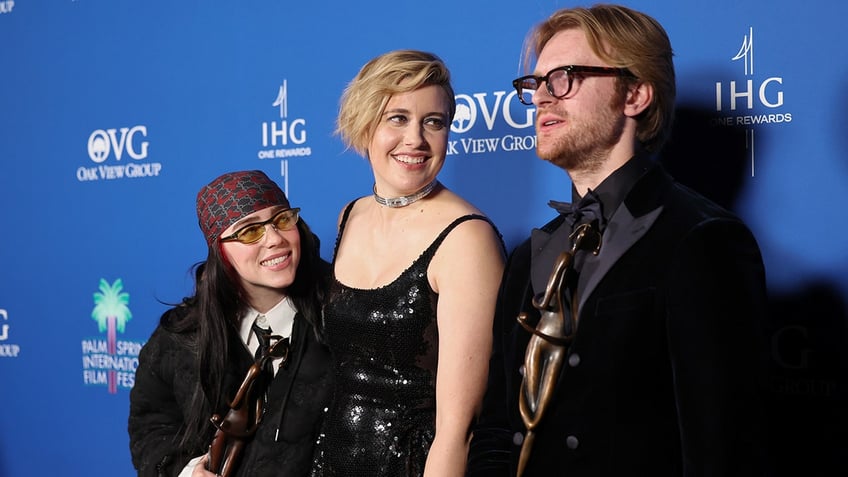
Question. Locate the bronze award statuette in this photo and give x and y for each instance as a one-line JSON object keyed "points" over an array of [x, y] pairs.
{"points": [[549, 344], [245, 414]]}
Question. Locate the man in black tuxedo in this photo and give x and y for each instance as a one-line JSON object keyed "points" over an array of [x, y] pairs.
{"points": [[663, 373]]}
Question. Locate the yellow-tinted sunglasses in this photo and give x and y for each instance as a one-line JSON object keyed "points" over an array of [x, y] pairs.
{"points": [[252, 233]]}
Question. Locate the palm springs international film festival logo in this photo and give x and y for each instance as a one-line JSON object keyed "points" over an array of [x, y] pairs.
{"points": [[110, 362], [118, 153], [752, 102], [507, 123]]}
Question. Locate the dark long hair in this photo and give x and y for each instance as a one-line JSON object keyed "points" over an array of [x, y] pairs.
{"points": [[207, 320]]}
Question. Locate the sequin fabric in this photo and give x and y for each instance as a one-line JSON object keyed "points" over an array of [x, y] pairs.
{"points": [[385, 347]]}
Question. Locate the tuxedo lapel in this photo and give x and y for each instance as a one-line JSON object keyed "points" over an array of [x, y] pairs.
{"points": [[546, 247], [621, 233], [630, 222]]}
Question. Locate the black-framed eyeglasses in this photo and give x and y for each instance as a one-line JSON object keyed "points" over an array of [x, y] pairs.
{"points": [[252, 233], [560, 80]]}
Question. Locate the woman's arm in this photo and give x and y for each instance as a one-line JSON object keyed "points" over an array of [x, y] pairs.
{"points": [[466, 273], [155, 416]]}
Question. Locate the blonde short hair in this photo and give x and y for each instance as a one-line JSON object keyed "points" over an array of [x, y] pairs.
{"points": [[624, 38], [364, 100]]}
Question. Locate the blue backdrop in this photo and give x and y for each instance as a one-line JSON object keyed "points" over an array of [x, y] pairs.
{"points": [[113, 113]]}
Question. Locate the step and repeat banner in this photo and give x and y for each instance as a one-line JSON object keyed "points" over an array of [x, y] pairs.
{"points": [[113, 113]]}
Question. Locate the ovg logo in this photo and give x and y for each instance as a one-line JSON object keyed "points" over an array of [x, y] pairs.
{"points": [[110, 362], [506, 125], [118, 144]]}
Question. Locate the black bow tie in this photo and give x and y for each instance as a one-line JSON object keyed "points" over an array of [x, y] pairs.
{"points": [[587, 210]]}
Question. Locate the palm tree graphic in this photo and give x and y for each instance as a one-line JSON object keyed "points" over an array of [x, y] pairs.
{"points": [[111, 313]]}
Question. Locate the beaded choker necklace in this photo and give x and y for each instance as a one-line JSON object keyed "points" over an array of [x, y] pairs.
{"points": [[403, 201]]}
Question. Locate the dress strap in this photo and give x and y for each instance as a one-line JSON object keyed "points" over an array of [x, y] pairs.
{"points": [[431, 250], [342, 224]]}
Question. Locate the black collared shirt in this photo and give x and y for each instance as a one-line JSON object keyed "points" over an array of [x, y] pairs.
{"points": [[617, 185]]}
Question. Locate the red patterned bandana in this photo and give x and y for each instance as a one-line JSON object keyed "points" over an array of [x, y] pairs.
{"points": [[232, 196]]}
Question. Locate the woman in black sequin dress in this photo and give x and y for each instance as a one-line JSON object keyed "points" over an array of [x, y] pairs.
{"points": [[417, 270]]}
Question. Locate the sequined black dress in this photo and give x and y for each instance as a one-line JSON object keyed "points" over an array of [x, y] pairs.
{"points": [[385, 347]]}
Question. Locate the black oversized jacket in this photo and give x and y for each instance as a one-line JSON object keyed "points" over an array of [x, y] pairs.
{"points": [[664, 375], [166, 377]]}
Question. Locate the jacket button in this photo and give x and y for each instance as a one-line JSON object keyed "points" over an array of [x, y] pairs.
{"points": [[572, 442], [518, 438], [574, 360]]}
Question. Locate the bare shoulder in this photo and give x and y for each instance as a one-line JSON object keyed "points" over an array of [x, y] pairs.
{"points": [[351, 208], [456, 207], [453, 200], [471, 255], [475, 240]]}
